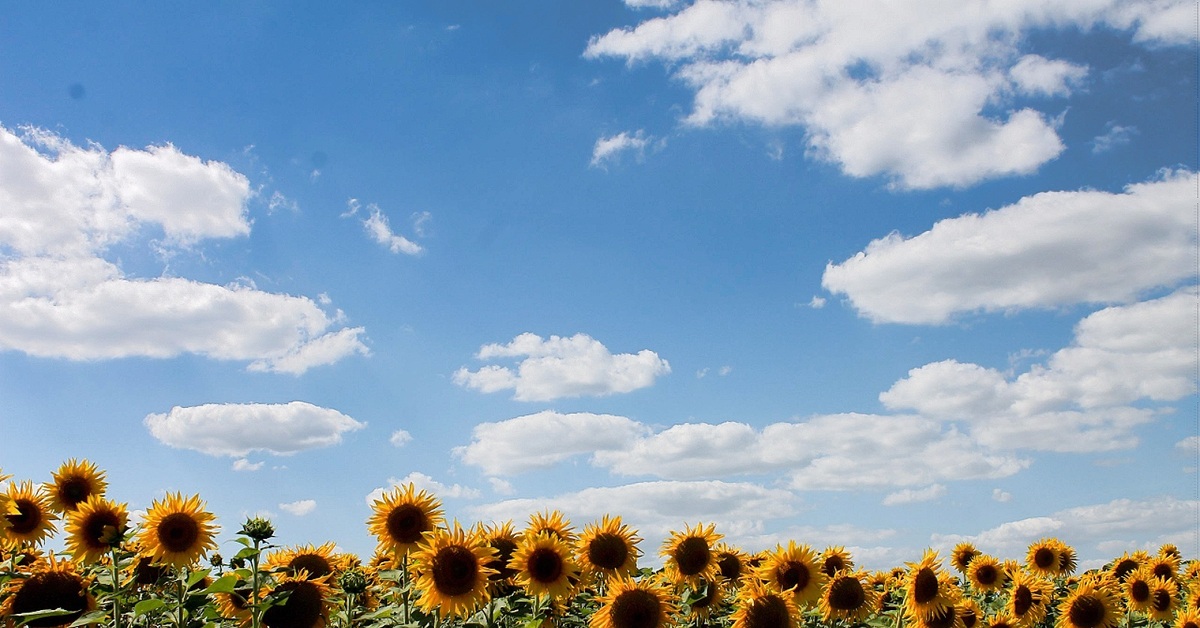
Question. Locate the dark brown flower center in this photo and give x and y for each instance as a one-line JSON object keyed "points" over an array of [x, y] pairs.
{"points": [[100, 529], [607, 551], [767, 612], [942, 618], [1022, 600], [987, 575], [302, 609], [455, 569], [832, 565], [963, 559], [407, 522], [969, 617], [792, 575], [314, 564], [635, 609], [846, 594], [1045, 558], [146, 573], [925, 586], [1087, 611], [730, 566], [1123, 568], [73, 490], [504, 551], [50, 590], [178, 532], [691, 555], [1139, 591], [28, 518], [1164, 571], [1162, 600], [545, 565]]}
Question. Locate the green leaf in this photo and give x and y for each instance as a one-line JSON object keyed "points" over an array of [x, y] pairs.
{"points": [[195, 577], [92, 617], [245, 554], [34, 615], [147, 606], [224, 584]]}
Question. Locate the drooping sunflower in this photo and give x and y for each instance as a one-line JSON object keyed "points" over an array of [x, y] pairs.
{"points": [[307, 602], [235, 606], [1136, 588], [95, 527], [177, 531], [401, 516], [848, 596], [715, 591], [502, 538], [1164, 599], [946, 617], [1187, 618], [794, 569], [73, 483], [49, 585], [760, 606], [1042, 559], [732, 563], [451, 573], [545, 566], [962, 555], [608, 548], [33, 520], [316, 561], [985, 573], [552, 522], [690, 555], [1091, 604], [927, 590], [632, 604], [1068, 559], [835, 558], [1170, 549], [1028, 598]]}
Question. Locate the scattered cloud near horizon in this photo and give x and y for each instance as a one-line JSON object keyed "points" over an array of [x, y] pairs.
{"points": [[238, 429]]}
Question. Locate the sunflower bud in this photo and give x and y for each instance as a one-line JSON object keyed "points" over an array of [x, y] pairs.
{"points": [[353, 581], [216, 560], [258, 528]]}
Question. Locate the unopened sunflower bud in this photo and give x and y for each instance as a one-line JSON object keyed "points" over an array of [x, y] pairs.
{"points": [[258, 528], [353, 581]]}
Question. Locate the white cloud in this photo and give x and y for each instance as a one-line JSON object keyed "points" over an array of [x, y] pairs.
{"points": [[378, 228], [299, 508], [425, 483], [1114, 135], [64, 206], [879, 87], [1078, 400], [235, 430], [400, 438], [501, 486], [1103, 248], [561, 367], [651, 4], [817, 302], [544, 439], [1189, 445], [912, 496], [610, 148], [241, 464], [1001, 495]]}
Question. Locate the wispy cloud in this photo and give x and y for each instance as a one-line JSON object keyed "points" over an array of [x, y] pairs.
{"points": [[1114, 135], [609, 149], [299, 508], [379, 228]]}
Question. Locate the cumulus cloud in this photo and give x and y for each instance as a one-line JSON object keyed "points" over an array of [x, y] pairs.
{"points": [[544, 439], [880, 88], [299, 508], [610, 148], [915, 495], [425, 483], [1103, 247], [242, 464], [235, 430], [561, 367], [64, 206], [400, 438]]}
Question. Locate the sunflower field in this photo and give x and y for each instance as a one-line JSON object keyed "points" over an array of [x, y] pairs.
{"points": [[430, 573]]}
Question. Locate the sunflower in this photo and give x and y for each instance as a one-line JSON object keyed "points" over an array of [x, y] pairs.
{"points": [[552, 522], [1003, 620], [1092, 604], [794, 569], [945, 617], [848, 596], [306, 602], [1191, 598], [1028, 598], [690, 555], [761, 607], [1127, 564], [73, 483], [1170, 549], [962, 555], [95, 527], [502, 538], [969, 612], [49, 585], [608, 549], [1137, 589], [6, 508], [834, 559], [545, 566], [401, 516], [1068, 560], [701, 609], [177, 531], [450, 571], [731, 563], [33, 520], [235, 606], [632, 604], [1042, 558], [985, 573], [1188, 618], [1164, 599], [315, 561], [1164, 566], [927, 590]]}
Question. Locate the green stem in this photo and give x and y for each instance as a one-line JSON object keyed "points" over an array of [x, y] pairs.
{"points": [[116, 590], [179, 609], [404, 584], [254, 609]]}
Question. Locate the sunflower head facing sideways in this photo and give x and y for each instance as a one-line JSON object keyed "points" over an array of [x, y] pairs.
{"points": [[177, 531], [96, 527], [927, 588], [1029, 598], [962, 555], [74, 482], [835, 558], [316, 561], [401, 516], [30, 520]]}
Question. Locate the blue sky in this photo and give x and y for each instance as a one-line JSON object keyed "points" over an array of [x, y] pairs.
{"points": [[888, 276]]}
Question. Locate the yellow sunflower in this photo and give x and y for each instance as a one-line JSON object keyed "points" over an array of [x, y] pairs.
{"points": [[235, 606], [945, 617], [451, 573], [6, 508], [969, 612], [33, 520], [1091, 604], [49, 585], [1068, 559], [1164, 566], [95, 527], [1029, 598], [503, 539], [552, 522], [1136, 588], [794, 569], [73, 483], [985, 573], [1042, 559], [962, 555], [703, 608], [690, 555], [759, 606], [608, 548], [632, 604], [401, 516], [732, 563], [1191, 598], [545, 566], [1187, 618], [307, 602], [848, 596], [1164, 599], [1003, 620], [1127, 564], [834, 559], [315, 561], [927, 590], [177, 531]]}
